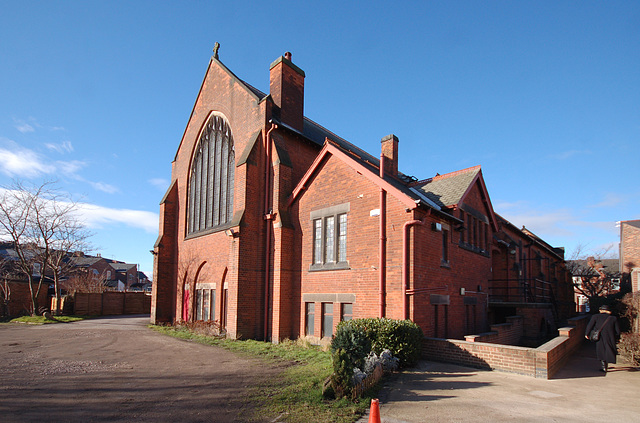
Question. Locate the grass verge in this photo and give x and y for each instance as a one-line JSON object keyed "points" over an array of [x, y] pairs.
{"points": [[295, 395], [41, 320]]}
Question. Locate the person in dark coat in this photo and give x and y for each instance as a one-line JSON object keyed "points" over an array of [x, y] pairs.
{"points": [[606, 350]]}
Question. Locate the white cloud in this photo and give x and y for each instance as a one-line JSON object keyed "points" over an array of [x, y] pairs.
{"points": [[570, 154], [23, 163], [63, 147], [70, 168], [610, 200], [16, 161], [543, 223], [160, 183], [101, 186], [24, 127], [98, 217]]}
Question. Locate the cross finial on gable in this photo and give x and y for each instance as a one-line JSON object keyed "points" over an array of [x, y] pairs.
{"points": [[216, 47]]}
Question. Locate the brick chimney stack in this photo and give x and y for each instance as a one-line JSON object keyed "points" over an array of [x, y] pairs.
{"points": [[390, 154], [286, 86]]}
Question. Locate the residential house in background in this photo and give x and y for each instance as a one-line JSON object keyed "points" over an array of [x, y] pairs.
{"points": [[630, 253], [114, 274], [15, 295], [602, 275], [276, 228], [118, 275]]}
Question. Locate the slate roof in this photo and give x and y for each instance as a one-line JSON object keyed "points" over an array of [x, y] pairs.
{"points": [[120, 266], [84, 261], [634, 223], [436, 193], [447, 190]]}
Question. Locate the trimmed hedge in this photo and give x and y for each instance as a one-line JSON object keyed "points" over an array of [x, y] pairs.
{"points": [[402, 337]]}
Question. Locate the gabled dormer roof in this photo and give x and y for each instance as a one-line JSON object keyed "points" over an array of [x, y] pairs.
{"points": [[411, 198], [449, 190]]}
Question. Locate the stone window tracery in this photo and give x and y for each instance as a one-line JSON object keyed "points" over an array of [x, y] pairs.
{"points": [[212, 177]]}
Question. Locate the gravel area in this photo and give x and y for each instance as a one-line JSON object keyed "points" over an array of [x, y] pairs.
{"points": [[116, 369]]}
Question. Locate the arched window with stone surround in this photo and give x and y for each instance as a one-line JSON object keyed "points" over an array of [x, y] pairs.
{"points": [[211, 177]]}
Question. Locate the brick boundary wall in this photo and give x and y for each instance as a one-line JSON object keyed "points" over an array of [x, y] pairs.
{"points": [[508, 333], [111, 303], [542, 362]]}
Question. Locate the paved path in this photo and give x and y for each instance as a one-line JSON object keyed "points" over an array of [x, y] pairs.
{"points": [[436, 392], [117, 370]]}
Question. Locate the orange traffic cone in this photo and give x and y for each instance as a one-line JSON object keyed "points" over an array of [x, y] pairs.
{"points": [[374, 412]]}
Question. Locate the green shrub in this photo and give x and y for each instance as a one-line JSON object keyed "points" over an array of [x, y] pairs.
{"points": [[342, 373], [402, 337], [629, 348], [354, 342]]}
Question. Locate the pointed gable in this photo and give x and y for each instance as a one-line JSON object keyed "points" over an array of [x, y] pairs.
{"points": [[215, 64], [362, 167], [450, 190]]}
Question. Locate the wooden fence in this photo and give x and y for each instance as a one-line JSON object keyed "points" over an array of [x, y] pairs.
{"points": [[368, 382], [111, 303]]}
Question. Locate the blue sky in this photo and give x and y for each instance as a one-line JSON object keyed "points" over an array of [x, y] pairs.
{"points": [[544, 95]]}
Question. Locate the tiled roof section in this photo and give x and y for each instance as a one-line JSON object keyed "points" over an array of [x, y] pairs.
{"points": [[398, 184], [84, 261], [121, 266], [317, 133], [447, 190], [254, 90], [634, 223]]}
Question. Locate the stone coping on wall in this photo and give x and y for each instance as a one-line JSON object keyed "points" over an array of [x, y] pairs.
{"points": [[542, 362]]}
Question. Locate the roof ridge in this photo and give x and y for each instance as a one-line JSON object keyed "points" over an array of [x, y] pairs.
{"points": [[446, 175]]}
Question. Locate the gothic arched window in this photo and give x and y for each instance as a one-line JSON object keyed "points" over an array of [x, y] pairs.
{"points": [[211, 177]]}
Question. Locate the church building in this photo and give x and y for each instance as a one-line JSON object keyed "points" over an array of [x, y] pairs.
{"points": [[277, 228]]}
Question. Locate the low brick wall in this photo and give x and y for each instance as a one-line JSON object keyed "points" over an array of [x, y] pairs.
{"points": [[20, 300], [111, 303], [508, 333], [542, 362]]}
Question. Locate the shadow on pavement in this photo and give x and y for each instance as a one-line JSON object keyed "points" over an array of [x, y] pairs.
{"points": [[584, 364]]}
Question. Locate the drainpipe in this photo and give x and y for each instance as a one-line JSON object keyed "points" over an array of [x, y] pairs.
{"points": [[268, 217], [383, 241], [405, 263]]}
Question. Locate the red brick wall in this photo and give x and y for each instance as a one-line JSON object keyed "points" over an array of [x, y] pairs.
{"points": [[111, 303], [509, 333], [217, 255], [20, 301], [542, 362], [163, 291], [630, 249], [336, 183]]}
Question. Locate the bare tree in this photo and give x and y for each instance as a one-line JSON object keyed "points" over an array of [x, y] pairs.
{"points": [[58, 233], [591, 277], [5, 288], [42, 223], [85, 282], [16, 206]]}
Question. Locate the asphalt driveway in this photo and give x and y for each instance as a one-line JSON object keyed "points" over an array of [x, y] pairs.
{"points": [[115, 369], [578, 393]]}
